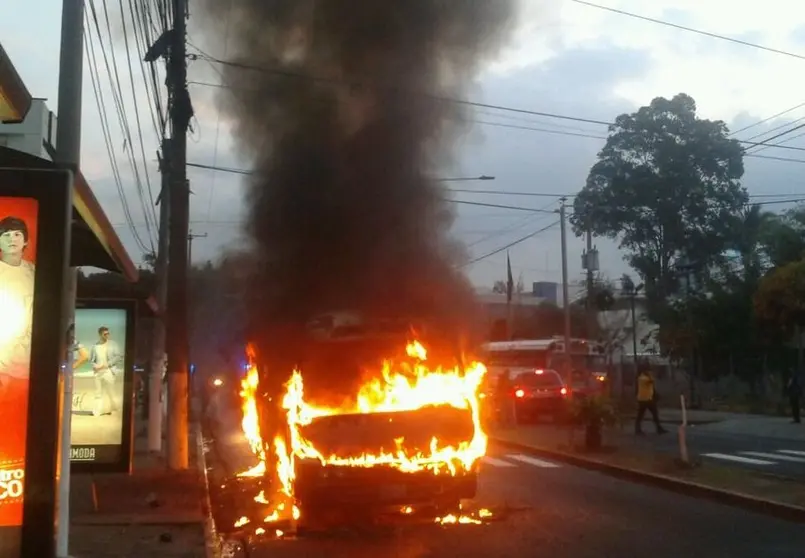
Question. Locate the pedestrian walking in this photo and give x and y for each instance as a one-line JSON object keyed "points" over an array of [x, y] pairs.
{"points": [[646, 399], [794, 390]]}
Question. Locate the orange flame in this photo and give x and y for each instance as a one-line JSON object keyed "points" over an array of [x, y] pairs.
{"points": [[413, 387]]}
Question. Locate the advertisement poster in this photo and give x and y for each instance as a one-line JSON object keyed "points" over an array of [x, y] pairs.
{"points": [[18, 244], [100, 378]]}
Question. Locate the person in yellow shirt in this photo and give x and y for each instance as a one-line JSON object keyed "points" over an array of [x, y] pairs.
{"points": [[646, 399]]}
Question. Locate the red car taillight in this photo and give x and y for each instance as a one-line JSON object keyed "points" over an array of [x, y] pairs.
{"points": [[563, 391], [519, 393]]}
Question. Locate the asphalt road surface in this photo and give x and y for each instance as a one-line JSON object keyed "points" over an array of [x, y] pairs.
{"points": [[564, 512], [773, 455]]}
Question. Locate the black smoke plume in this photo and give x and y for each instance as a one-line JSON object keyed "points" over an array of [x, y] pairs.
{"points": [[340, 105]]}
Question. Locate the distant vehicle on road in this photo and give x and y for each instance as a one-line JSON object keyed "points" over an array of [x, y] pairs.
{"points": [[587, 359], [539, 393]]}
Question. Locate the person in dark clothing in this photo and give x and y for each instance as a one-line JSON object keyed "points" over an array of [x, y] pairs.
{"points": [[794, 390]]}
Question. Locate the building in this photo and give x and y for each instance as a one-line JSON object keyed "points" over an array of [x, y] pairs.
{"points": [[35, 135], [27, 138], [15, 100], [546, 290]]}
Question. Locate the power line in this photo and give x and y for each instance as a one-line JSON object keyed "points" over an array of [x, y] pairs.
{"points": [[691, 29], [779, 127], [498, 206], [509, 245], [543, 195], [781, 134], [230, 10], [767, 119], [464, 102]]}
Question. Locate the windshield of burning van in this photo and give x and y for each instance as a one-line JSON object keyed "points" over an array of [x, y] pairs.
{"points": [[519, 358]]}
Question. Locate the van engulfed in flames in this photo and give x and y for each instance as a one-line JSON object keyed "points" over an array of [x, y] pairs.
{"points": [[400, 393]]}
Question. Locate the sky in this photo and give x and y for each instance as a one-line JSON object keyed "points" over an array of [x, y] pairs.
{"points": [[563, 58]]}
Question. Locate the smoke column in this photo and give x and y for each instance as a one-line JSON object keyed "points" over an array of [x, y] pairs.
{"points": [[336, 102]]}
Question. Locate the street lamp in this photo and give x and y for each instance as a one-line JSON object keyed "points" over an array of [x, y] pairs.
{"points": [[465, 179]]}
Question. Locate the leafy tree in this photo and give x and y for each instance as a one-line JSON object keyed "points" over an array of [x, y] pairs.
{"points": [[780, 298], [666, 185], [751, 229], [784, 237], [150, 260]]}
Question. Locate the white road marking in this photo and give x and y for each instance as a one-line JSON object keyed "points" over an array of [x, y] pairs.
{"points": [[532, 461], [738, 458], [496, 462], [793, 452], [775, 456]]}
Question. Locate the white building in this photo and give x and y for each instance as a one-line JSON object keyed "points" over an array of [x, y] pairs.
{"points": [[36, 135]]}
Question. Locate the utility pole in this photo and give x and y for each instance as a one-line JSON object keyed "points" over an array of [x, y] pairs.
{"points": [[190, 238], [68, 154], [177, 342], [158, 341], [565, 295], [589, 262]]}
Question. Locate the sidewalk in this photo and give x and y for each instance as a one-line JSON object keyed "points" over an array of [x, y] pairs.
{"points": [[694, 416], [152, 512]]}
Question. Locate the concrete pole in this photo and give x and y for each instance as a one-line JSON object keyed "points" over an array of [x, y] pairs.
{"points": [[68, 153], [565, 296], [158, 347]]}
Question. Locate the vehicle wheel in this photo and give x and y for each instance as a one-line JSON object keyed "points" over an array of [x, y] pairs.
{"points": [[446, 507]]}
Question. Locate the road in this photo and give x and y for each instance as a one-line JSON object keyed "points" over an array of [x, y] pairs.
{"points": [[572, 513], [560, 511], [766, 453]]}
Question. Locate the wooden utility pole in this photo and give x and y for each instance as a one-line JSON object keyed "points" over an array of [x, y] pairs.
{"points": [[177, 341]]}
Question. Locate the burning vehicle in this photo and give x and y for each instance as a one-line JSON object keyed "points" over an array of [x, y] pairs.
{"points": [[407, 439], [346, 111]]}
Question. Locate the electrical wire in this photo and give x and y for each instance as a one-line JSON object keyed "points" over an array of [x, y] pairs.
{"points": [[113, 74], [509, 245], [767, 119], [690, 29], [476, 104], [89, 47]]}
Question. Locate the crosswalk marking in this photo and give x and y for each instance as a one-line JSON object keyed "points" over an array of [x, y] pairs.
{"points": [[533, 461], [779, 456], [793, 452], [738, 458], [496, 462]]}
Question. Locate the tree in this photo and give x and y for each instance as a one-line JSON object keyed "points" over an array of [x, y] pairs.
{"points": [[784, 237], [666, 184], [780, 298], [150, 260]]}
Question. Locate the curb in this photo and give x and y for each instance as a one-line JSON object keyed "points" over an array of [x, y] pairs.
{"points": [[212, 543], [696, 490]]}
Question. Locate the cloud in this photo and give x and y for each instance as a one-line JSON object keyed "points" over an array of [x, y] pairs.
{"points": [[564, 58]]}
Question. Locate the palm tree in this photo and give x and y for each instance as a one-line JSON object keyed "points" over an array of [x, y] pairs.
{"points": [[751, 230]]}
